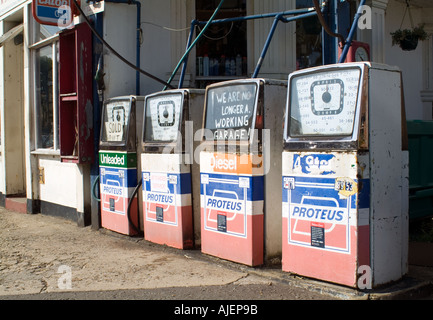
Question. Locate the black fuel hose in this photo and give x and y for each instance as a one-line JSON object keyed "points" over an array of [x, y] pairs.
{"points": [[116, 53], [128, 211], [94, 196]]}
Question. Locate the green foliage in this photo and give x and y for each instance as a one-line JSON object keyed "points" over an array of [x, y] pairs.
{"points": [[418, 33], [421, 230]]}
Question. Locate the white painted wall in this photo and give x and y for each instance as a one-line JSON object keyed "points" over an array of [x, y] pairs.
{"points": [[60, 185], [119, 31], [156, 50], [410, 62], [120, 21], [280, 58]]}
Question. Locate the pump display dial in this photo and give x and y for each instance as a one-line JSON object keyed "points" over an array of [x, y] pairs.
{"points": [[324, 103], [327, 96], [163, 115], [166, 116]]}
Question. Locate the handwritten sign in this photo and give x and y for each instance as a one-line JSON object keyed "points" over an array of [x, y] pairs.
{"points": [[230, 111], [116, 118], [163, 114]]}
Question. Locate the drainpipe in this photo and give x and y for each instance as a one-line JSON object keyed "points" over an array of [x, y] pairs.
{"points": [[138, 4]]}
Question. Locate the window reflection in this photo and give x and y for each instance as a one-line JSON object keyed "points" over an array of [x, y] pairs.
{"points": [[308, 39], [41, 32], [44, 99]]}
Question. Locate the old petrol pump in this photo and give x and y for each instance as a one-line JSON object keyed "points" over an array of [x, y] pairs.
{"points": [[345, 214], [170, 174], [240, 164], [121, 124]]}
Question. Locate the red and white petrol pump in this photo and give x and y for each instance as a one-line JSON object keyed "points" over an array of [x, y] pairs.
{"points": [[239, 167], [345, 176], [170, 174], [120, 127]]}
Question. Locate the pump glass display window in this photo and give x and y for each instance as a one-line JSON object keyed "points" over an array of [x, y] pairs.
{"points": [[163, 118], [324, 103], [115, 120], [46, 95], [308, 39], [222, 51]]}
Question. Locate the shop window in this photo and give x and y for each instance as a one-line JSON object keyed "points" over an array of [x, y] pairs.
{"points": [[46, 106], [44, 52], [42, 32], [222, 51], [308, 39]]}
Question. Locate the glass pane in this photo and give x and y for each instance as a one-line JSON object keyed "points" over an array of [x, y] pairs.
{"points": [[308, 39], [163, 117], [44, 96], [116, 116], [324, 103], [41, 32]]}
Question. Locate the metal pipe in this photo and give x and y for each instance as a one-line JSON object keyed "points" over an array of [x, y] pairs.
{"points": [[237, 19], [185, 60], [138, 49], [271, 34], [260, 16], [193, 44], [107, 45], [351, 33], [266, 46]]}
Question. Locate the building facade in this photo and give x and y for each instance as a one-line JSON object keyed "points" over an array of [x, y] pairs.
{"points": [[34, 163]]}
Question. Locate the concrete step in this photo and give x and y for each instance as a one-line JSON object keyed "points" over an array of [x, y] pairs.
{"points": [[18, 204]]}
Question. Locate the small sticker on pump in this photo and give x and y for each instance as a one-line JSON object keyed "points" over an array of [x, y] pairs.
{"points": [[346, 187]]}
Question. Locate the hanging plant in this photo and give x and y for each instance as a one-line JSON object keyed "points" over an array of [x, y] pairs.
{"points": [[408, 39]]}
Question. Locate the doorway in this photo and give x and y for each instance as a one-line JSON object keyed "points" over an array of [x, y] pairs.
{"points": [[12, 122]]}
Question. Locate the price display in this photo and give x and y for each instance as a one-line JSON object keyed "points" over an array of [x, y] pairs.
{"points": [[324, 103]]}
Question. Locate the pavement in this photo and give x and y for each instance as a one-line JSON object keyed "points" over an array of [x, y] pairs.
{"points": [[43, 257]]}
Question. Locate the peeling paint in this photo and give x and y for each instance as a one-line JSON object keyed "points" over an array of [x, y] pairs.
{"points": [[81, 62]]}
